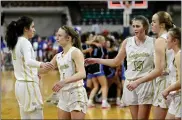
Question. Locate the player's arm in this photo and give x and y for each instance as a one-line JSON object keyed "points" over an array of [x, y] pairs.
{"points": [[174, 87], [26, 49], [177, 85], [88, 50], [80, 74], [53, 63], [178, 63], [117, 60]]}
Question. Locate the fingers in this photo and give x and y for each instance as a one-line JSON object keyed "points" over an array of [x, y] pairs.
{"points": [[90, 61], [130, 88], [48, 66], [56, 88], [164, 95]]}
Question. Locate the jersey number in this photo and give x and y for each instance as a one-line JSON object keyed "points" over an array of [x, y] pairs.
{"points": [[138, 65]]}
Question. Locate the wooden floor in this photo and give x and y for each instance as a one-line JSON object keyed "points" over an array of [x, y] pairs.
{"points": [[10, 110]]}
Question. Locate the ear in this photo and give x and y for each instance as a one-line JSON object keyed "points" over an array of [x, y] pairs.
{"points": [[68, 38], [25, 29], [175, 41], [162, 25]]}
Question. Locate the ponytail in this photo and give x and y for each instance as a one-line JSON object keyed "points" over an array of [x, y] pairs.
{"points": [[16, 29], [77, 42], [74, 35], [11, 35]]}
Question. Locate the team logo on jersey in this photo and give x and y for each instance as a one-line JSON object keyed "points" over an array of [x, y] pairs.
{"points": [[65, 66], [138, 65]]}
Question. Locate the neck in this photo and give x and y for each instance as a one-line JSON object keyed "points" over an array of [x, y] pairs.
{"points": [[176, 49], [66, 48], [141, 38], [26, 36], [162, 32]]}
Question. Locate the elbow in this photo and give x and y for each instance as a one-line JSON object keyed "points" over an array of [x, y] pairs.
{"points": [[116, 63], [83, 75]]}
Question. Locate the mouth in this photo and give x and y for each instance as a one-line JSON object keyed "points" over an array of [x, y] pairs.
{"points": [[136, 32]]}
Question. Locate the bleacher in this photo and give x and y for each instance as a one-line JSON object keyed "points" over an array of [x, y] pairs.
{"points": [[99, 12]]}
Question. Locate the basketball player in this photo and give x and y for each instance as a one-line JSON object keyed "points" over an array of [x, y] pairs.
{"points": [[27, 89], [96, 72], [70, 62], [161, 23], [139, 51], [174, 43]]}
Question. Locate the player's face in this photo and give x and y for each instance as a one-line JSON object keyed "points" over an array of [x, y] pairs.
{"points": [[61, 37], [31, 30], [108, 44], [155, 24], [170, 41], [138, 28]]}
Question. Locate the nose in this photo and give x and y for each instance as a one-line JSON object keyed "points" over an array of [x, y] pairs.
{"points": [[56, 38]]}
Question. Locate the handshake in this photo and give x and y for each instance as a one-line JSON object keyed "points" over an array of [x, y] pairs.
{"points": [[47, 66]]}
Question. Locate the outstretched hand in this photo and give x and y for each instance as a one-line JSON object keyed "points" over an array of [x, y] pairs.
{"points": [[90, 60], [47, 66]]}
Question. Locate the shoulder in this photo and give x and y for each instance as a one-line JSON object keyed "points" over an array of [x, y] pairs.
{"points": [[126, 42], [76, 53], [160, 41], [24, 41], [129, 40]]}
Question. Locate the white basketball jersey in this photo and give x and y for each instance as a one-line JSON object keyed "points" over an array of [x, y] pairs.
{"points": [[140, 59], [21, 70], [67, 69]]}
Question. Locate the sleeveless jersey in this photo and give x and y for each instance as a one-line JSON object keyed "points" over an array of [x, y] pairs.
{"points": [[67, 69], [140, 59]]}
